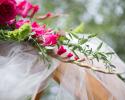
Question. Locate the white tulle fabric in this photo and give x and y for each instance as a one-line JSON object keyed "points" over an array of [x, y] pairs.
{"points": [[21, 71], [23, 74], [76, 84], [79, 83]]}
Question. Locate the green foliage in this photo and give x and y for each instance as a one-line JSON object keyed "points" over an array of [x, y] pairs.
{"points": [[16, 35], [86, 50], [99, 47], [42, 51], [79, 29]]}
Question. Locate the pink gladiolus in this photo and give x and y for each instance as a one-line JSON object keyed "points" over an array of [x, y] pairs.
{"points": [[7, 10], [76, 58], [69, 55], [20, 4], [35, 9], [21, 22], [48, 15], [24, 7], [35, 24], [26, 10], [38, 30], [45, 36], [11, 22], [61, 50], [50, 39]]}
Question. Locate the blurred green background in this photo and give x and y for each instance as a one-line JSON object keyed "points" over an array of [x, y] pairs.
{"points": [[107, 18]]}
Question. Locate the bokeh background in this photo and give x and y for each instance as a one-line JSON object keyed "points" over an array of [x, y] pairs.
{"points": [[107, 18]]}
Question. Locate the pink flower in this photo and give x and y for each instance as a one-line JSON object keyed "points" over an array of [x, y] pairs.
{"points": [[50, 39], [35, 24], [1, 1], [35, 9], [61, 50], [48, 15], [11, 22], [45, 36], [38, 30], [76, 58], [7, 10], [69, 55], [25, 7], [21, 22]]}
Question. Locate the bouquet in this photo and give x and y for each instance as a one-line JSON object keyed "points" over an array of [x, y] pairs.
{"points": [[18, 24]]}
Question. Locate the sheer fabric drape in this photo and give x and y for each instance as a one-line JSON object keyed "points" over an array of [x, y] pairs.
{"points": [[23, 74]]}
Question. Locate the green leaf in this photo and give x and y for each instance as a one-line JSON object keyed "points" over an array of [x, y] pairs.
{"points": [[92, 35], [79, 29], [75, 36], [99, 47], [82, 41], [49, 65], [110, 53], [62, 38]]}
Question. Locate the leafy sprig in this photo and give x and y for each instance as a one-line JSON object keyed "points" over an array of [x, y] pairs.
{"points": [[42, 51], [82, 47]]}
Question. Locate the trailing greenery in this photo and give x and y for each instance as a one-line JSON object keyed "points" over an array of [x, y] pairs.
{"points": [[86, 50]]}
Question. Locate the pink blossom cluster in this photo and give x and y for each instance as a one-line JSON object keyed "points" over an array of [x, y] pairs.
{"points": [[63, 50], [45, 36], [24, 8], [9, 9], [48, 15], [19, 23], [42, 34]]}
